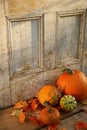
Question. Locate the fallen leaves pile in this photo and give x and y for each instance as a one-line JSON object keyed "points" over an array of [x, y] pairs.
{"points": [[29, 110], [24, 109]]}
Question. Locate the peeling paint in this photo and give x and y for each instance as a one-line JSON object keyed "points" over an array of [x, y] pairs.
{"points": [[24, 6], [20, 7], [24, 86]]}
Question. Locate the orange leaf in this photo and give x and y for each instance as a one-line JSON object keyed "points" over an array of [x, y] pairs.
{"points": [[20, 104], [54, 127], [34, 104], [35, 120], [22, 117]]}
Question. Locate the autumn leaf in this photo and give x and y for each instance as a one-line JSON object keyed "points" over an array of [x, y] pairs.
{"points": [[80, 125], [25, 110], [30, 100], [20, 105], [54, 127], [22, 117], [15, 113], [35, 120], [34, 104]]}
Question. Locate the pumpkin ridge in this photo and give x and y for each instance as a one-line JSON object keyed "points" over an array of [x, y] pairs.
{"points": [[73, 84], [68, 102], [48, 93]]}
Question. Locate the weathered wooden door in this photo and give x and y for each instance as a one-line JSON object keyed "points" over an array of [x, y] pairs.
{"points": [[39, 45]]}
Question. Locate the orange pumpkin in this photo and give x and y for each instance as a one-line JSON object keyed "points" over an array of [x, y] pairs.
{"points": [[48, 94], [73, 82], [50, 116]]}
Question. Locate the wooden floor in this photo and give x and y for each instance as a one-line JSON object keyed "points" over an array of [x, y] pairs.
{"points": [[8, 122]]}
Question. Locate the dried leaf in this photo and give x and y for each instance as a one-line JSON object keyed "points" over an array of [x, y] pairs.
{"points": [[27, 109], [22, 117], [20, 105], [54, 127], [34, 104], [30, 100], [62, 128], [15, 113], [35, 120], [80, 125]]}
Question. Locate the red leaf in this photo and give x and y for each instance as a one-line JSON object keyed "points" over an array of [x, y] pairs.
{"points": [[35, 120], [54, 127], [80, 125], [34, 104]]}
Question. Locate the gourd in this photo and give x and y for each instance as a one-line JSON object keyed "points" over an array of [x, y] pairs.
{"points": [[48, 95], [68, 103], [73, 82], [50, 116]]}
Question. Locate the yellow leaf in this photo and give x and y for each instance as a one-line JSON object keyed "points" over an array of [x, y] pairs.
{"points": [[15, 113], [20, 104]]}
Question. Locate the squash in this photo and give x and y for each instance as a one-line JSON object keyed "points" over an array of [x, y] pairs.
{"points": [[68, 103], [48, 95], [50, 116], [73, 82]]}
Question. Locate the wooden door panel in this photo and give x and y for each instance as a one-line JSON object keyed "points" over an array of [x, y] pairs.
{"points": [[24, 45], [70, 28], [40, 47]]}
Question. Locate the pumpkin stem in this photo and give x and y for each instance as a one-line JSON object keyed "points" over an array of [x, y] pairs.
{"points": [[46, 103], [70, 71], [50, 110]]}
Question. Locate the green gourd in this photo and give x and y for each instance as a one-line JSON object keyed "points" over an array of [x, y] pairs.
{"points": [[68, 103]]}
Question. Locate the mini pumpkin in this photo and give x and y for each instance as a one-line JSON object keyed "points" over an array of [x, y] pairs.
{"points": [[50, 116], [68, 103], [48, 95], [73, 82]]}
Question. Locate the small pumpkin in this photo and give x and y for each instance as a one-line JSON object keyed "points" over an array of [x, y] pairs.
{"points": [[50, 116], [68, 103], [48, 95], [73, 82]]}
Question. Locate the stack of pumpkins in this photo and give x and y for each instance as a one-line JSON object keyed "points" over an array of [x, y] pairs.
{"points": [[71, 88]]}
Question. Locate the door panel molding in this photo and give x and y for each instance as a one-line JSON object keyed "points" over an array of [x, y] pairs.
{"points": [[25, 45], [69, 23]]}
